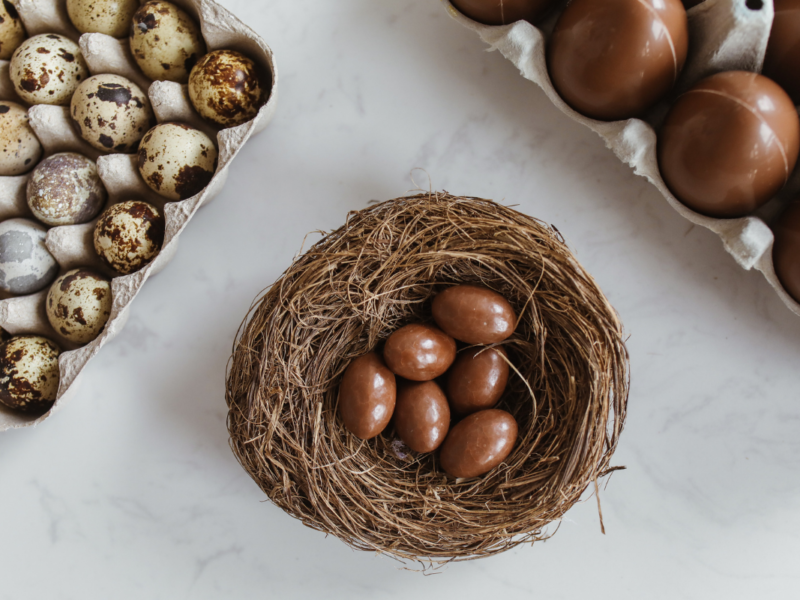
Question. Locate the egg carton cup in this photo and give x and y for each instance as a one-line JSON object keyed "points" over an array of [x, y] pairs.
{"points": [[72, 245], [724, 35]]}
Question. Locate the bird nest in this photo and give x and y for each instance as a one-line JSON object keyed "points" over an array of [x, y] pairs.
{"points": [[344, 297]]}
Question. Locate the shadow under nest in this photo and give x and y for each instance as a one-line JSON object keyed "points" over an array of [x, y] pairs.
{"points": [[344, 297]]}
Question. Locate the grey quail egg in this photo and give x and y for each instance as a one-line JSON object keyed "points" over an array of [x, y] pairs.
{"points": [[26, 266]]}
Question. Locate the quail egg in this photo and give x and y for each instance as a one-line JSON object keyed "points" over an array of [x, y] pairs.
{"points": [[165, 41], [20, 149], [128, 235], [112, 17], [79, 304], [111, 113], [12, 31], [227, 88], [28, 373], [177, 161], [26, 266], [65, 189], [47, 68]]}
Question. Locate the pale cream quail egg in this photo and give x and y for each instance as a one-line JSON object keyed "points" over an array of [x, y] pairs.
{"points": [[26, 266], [111, 113], [20, 149], [47, 68], [177, 161], [112, 17], [28, 373], [129, 235], [12, 31], [165, 41], [79, 304], [65, 189], [227, 88]]}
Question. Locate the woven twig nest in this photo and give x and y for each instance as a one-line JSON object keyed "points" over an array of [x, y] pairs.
{"points": [[345, 296]]}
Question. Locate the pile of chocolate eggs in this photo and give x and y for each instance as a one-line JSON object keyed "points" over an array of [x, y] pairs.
{"points": [[727, 145], [440, 398], [113, 115]]}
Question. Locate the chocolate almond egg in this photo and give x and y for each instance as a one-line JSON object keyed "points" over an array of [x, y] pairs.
{"points": [[474, 314], [29, 373], [614, 59], [729, 144], [367, 396], [421, 415], [786, 250], [478, 443], [782, 61], [477, 379], [419, 352], [502, 12]]}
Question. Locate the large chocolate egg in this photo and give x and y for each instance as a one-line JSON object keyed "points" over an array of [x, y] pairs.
{"points": [[474, 314], [729, 144], [479, 443], [614, 59], [477, 379], [782, 62], [419, 352], [502, 12], [422, 415], [786, 250], [367, 396]]}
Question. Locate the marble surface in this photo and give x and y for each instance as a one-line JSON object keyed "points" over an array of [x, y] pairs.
{"points": [[131, 490]]}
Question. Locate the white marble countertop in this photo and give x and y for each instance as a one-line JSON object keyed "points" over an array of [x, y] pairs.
{"points": [[131, 490]]}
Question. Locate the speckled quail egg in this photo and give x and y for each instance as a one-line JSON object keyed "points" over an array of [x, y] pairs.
{"points": [[111, 113], [128, 235], [227, 88], [28, 373], [79, 304], [12, 31], [177, 161], [26, 266], [65, 189], [112, 17], [165, 41], [20, 149], [47, 68]]}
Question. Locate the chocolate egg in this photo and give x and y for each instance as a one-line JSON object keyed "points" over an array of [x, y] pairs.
{"points": [[419, 352], [12, 31], [367, 396], [421, 416], [479, 443], [502, 12], [477, 379], [782, 61], [729, 144], [614, 59], [28, 373], [474, 314], [786, 250]]}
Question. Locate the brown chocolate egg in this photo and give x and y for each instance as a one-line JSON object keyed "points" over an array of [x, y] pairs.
{"points": [[419, 352], [786, 250], [477, 379], [782, 62], [502, 12], [614, 59], [729, 144], [367, 396], [422, 415], [479, 443], [474, 314]]}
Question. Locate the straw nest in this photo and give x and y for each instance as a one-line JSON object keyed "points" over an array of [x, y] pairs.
{"points": [[345, 296]]}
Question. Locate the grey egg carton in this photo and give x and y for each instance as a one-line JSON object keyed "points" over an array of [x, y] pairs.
{"points": [[724, 35], [72, 245]]}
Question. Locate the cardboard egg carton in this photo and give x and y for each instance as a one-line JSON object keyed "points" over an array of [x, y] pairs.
{"points": [[724, 35], [72, 245]]}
